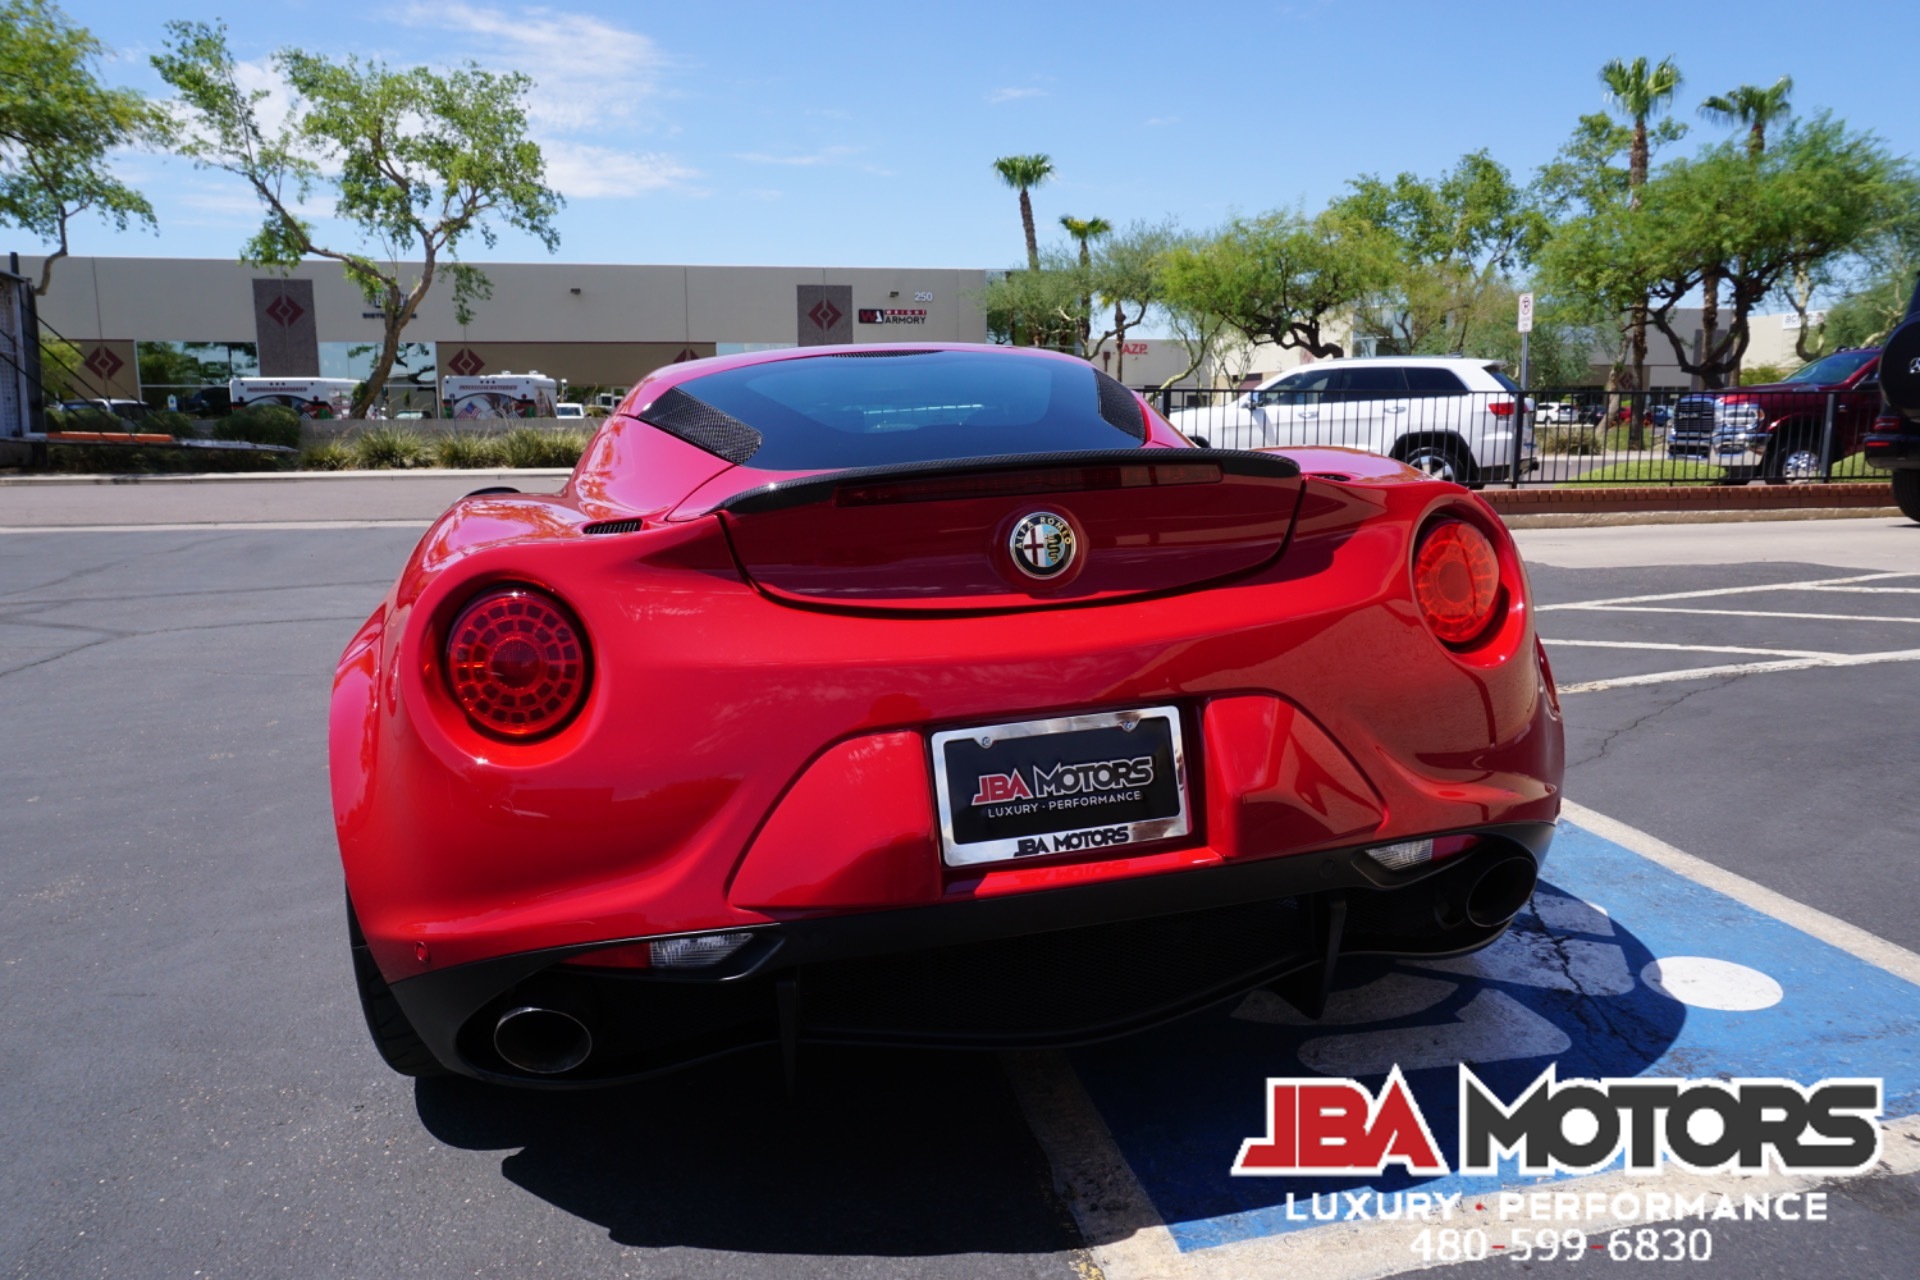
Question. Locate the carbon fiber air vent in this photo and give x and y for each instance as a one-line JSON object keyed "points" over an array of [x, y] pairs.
{"points": [[614, 526], [1119, 408], [702, 426]]}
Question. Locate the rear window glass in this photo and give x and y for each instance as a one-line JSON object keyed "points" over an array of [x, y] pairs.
{"points": [[829, 412], [1503, 379], [1426, 380], [1837, 367]]}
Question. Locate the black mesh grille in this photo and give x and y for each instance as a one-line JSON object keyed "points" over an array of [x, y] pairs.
{"points": [[702, 425], [615, 526], [1055, 987], [1119, 408]]}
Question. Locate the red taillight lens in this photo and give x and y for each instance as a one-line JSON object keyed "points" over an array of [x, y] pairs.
{"points": [[1456, 579], [1501, 408], [518, 663]]}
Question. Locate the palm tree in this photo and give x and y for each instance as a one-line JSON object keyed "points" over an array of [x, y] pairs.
{"points": [[1086, 230], [1755, 108], [1023, 173], [1639, 90]]}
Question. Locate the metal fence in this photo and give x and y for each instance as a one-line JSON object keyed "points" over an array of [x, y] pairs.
{"points": [[1554, 436]]}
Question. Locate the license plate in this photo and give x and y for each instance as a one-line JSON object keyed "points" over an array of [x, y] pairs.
{"points": [[1077, 784]]}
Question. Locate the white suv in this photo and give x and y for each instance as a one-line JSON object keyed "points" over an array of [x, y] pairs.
{"points": [[1451, 417]]}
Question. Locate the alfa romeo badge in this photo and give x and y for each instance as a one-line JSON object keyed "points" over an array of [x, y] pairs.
{"points": [[1042, 545]]}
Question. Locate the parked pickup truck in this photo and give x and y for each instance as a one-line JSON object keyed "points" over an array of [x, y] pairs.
{"points": [[1775, 431], [1894, 443]]}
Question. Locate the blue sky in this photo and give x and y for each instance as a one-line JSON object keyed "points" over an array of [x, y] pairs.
{"points": [[861, 134]]}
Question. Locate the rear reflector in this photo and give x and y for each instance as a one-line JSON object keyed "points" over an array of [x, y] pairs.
{"points": [[1400, 856], [702, 951], [1016, 483]]}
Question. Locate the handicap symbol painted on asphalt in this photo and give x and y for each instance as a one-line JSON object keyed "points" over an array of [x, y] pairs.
{"points": [[1620, 968]]}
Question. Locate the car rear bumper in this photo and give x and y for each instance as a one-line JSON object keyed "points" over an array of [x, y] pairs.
{"points": [[1065, 966], [1894, 450]]}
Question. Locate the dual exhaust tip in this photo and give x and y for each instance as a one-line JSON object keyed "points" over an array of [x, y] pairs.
{"points": [[1499, 893], [541, 1042]]}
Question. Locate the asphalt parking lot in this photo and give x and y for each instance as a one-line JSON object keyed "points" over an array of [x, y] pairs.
{"points": [[191, 1091]]}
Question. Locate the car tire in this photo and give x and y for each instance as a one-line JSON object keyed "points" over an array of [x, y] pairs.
{"points": [[400, 1047], [1906, 492], [1441, 459]]}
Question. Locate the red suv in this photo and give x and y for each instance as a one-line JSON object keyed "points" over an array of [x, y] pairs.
{"points": [[1776, 430]]}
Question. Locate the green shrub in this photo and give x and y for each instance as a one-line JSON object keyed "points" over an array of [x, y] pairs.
{"points": [[533, 447], [1576, 441], [178, 425], [387, 448], [87, 419], [329, 455], [466, 452], [261, 424]]}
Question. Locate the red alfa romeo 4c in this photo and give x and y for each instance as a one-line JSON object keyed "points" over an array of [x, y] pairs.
{"points": [[923, 695]]}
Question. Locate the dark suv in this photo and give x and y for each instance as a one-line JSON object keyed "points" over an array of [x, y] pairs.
{"points": [[1776, 430], [1895, 440]]}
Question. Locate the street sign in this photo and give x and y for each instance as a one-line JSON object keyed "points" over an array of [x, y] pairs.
{"points": [[1526, 313]]}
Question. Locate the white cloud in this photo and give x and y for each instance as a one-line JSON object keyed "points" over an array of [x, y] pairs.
{"points": [[585, 171], [999, 96]]}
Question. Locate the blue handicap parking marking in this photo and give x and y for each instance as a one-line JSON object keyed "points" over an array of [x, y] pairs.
{"points": [[1622, 968]]}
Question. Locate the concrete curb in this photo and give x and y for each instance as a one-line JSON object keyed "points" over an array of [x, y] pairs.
{"points": [[284, 477], [1610, 519]]}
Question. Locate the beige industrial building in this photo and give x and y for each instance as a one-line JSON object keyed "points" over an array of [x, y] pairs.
{"points": [[137, 323], [149, 327]]}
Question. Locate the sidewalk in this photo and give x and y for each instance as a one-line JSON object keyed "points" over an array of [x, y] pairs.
{"points": [[408, 497]]}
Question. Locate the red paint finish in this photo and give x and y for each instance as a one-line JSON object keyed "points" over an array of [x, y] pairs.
{"points": [[740, 758], [857, 830]]}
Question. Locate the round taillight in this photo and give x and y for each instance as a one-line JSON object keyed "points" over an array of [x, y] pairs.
{"points": [[518, 663], [1456, 579]]}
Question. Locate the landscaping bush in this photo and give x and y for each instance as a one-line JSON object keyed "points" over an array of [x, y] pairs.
{"points": [[1574, 441], [532, 447], [88, 419], [178, 425], [261, 424], [386, 448], [329, 455], [467, 452]]}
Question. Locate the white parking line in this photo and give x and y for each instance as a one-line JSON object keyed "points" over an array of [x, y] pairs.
{"points": [[1128, 1240], [1875, 591], [1743, 669], [1688, 648], [1737, 613], [1731, 591]]}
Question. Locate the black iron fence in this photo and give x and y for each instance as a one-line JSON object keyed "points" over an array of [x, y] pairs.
{"points": [[1554, 436]]}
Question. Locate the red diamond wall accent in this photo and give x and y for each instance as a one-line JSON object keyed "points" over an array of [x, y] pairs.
{"points": [[103, 364], [283, 311], [824, 314], [465, 363]]}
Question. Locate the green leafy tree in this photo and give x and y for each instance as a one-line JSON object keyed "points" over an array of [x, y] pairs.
{"points": [[1455, 239], [419, 162], [58, 127], [1129, 275], [1640, 90], [1042, 307], [1820, 193], [1023, 173], [1754, 109], [1283, 278]]}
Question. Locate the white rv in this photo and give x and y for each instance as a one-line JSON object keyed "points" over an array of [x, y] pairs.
{"points": [[309, 397], [499, 395]]}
